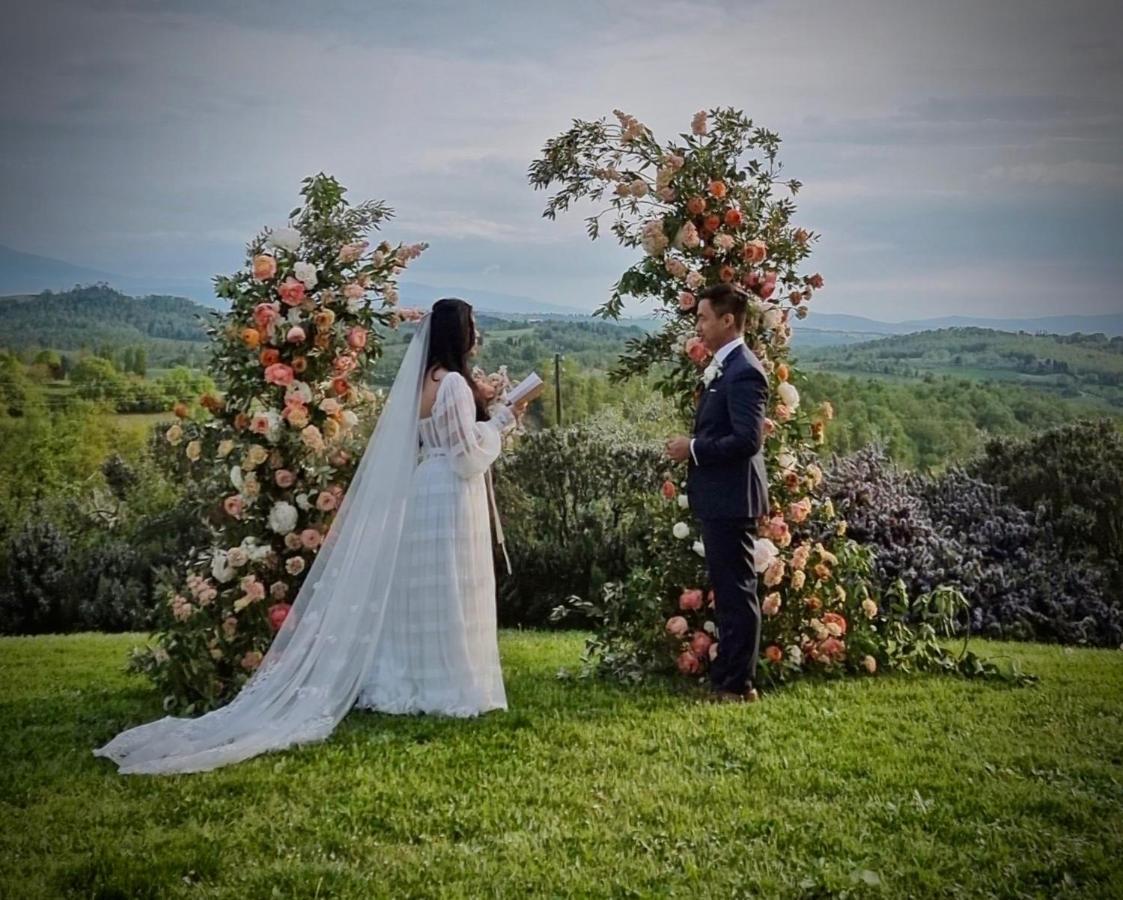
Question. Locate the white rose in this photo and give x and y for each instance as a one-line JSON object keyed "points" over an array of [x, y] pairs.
{"points": [[773, 317], [294, 315], [236, 477], [237, 557], [305, 272], [282, 517], [681, 531], [795, 655], [284, 239], [710, 628], [299, 390], [699, 548], [683, 501], [350, 418], [220, 568], [302, 502], [788, 395], [786, 462], [764, 552]]}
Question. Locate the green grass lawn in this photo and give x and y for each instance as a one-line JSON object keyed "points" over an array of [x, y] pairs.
{"points": [[898, 786]]}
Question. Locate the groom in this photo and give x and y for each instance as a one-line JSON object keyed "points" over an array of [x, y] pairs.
{"points": [[727, 484]]}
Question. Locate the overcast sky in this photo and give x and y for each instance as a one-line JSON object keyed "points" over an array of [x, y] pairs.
{"points": [[957, 157]]}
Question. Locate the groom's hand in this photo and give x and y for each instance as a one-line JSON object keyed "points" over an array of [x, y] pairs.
{"points": [[678, 448]]}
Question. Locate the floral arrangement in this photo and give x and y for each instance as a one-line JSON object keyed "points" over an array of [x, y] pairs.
{"points": [[270, 460], [712, 207]]}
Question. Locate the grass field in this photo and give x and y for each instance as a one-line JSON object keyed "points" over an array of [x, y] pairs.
{"points": [[885, 786]]}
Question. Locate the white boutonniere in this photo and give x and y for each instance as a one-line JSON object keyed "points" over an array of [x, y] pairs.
{"points": [[711, 373]]}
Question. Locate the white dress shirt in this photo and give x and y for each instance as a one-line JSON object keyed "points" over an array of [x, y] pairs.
{"points": [[719, 358]]}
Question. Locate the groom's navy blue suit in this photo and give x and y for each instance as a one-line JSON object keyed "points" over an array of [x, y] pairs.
{"points": [[728, 490]]}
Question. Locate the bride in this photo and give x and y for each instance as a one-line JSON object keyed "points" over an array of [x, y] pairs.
{"points": [[397, 612]]}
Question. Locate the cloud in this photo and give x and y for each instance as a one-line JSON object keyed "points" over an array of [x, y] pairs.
{"points": [[1073, 172]]}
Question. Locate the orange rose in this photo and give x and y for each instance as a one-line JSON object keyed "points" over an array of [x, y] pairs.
{"points": [[782, 371], [180, 409], [717, 189], [251, 337], [299, 364], [726, 274], [268, 356], [669, 490], [796, 298], [773, 653], [801, 236], [712, 223], [340, 386], [732, 217], [241, 421], [322, 340], [695, 206]]}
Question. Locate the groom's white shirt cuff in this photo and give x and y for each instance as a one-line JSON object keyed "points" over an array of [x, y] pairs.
{"points": [[719, 358]]}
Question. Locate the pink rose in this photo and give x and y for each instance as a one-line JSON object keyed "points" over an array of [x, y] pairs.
{"points": [[284, 478], [357, 337], [310, 538], [260, 423], [698, 123], [686, 301], [294, 565], [278, 612], [697, 351], [816, 281], [354, 291], [279, 374], [296, 335], [688, 663], [677, 626], [690, 600], [264, 267], [292, 291], [777, 528], [325, 501], [348, 253], [782, 412], [774, 574], [251, 660], [233, 506], [342, 364], [700, 644]]}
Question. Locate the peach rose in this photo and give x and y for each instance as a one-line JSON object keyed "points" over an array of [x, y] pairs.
{"points": [[755, 252], [266, 315], [732, 218], [771, 604], [294, 565], [696, 206], [251, 660], [773, 653], [251, 337], [284, 478], [834, 622], [816, 281], [869, 607], [325, 501], [677, 626], [264, 267], [269, 356], [686, 301], [669, 490], [357, 337], [296, 335], [800, 510], [870, 664], [233, 506], [717, 189], [310, 538], [774, 574]]}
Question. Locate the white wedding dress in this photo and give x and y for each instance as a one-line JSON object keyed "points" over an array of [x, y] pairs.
{"points": [[397, 611], [438, 651]]}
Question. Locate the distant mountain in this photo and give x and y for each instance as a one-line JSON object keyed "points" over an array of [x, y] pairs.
{"points": [[26, 273], [1111, 325], [423, 295]]}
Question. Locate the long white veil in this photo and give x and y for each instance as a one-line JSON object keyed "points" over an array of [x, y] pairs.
{"points": [[313, 671]]}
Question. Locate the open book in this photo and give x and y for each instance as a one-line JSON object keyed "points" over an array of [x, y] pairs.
{"points": [[528, 389]]}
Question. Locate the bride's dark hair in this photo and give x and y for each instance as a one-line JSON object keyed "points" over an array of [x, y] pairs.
{"points": [[452, 335]]}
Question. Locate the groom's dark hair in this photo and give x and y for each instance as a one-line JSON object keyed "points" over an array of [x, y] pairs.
{"points": [[727, 298]]}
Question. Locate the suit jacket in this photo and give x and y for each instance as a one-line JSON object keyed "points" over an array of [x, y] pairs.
{"points": [[729, 480]]}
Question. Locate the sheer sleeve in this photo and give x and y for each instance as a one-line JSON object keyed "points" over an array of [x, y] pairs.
{"points": [[473, 446]]}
